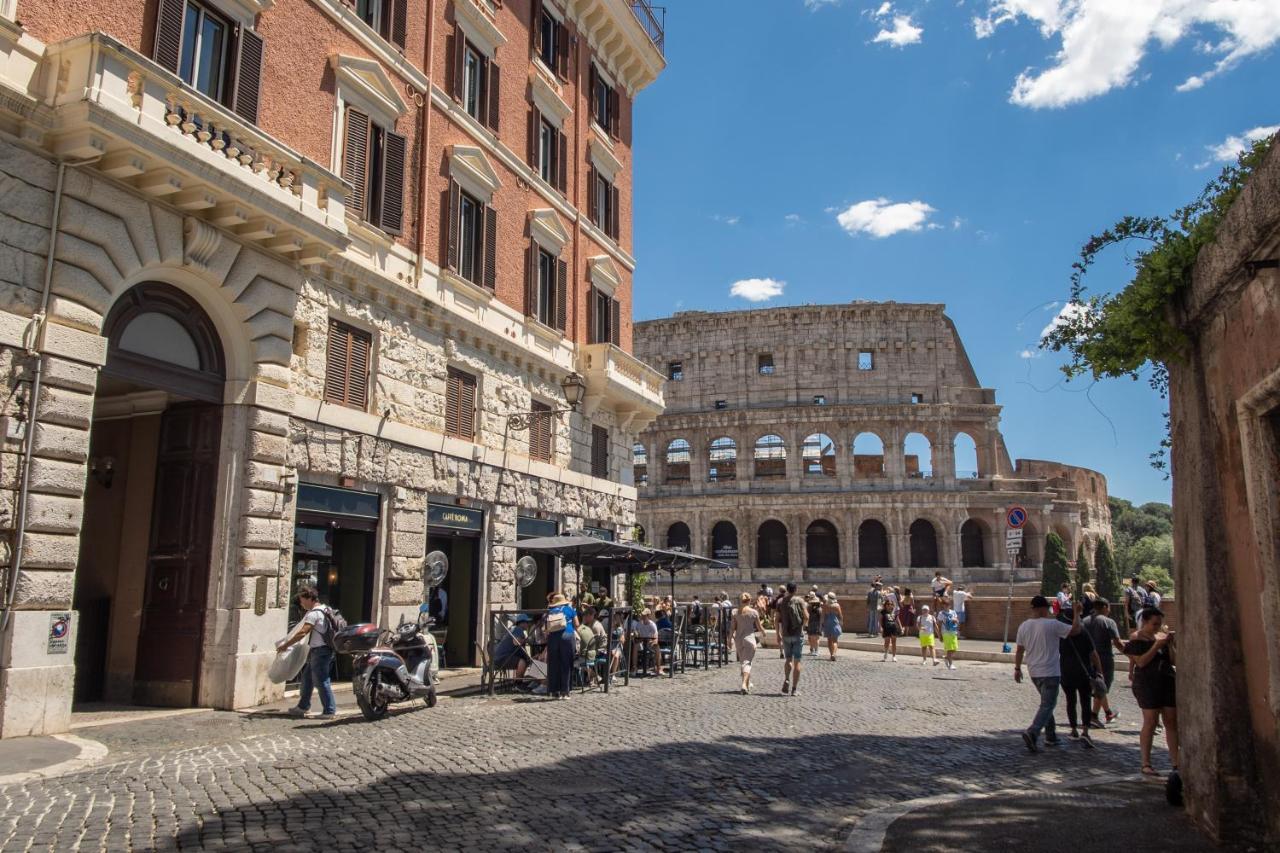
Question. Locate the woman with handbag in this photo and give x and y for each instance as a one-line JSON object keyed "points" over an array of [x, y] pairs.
{"points": [[1080, 665], [1151, 663], [561, 624]]}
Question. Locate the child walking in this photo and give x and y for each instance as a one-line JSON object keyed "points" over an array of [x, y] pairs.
{"points": [[928, 627], [949, 619], [890, 630]]}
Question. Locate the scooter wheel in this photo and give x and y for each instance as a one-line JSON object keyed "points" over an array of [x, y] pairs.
{"points": [[372, 709], [432, 698]]}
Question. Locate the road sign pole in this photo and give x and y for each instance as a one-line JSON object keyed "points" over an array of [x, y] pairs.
{"points": [[1008, 605]]}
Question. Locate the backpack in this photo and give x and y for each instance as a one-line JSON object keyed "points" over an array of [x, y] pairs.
{"points": [[796, 614], [335, 622]]}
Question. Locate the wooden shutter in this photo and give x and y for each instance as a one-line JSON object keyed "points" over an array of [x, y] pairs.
{"points": [[562, 51], [535, 134], [613, 212], [592, 213], [614, 123], [490, 248], [592, 298], [460, 404], [455, 47], [562, 165], [531, 281], [399, 21], [615, 316], [358, 373], [599, 451], [346, 374], [535, 27], [492, 97], [391, 218], [337, 353], [562, 294], [355, 160], [540, 432], [593, 112], [451, 203], [248, 82], [168, 46]]}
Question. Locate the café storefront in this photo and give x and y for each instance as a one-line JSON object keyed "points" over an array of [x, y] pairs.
{"points": [[456, 532], [534, 596]]}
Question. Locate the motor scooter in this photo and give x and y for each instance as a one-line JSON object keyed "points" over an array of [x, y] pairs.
{"points": [[391, 665]]}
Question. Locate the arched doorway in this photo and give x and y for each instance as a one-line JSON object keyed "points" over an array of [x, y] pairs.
{"points": [[678, 538], [924, 545], [873, 545], [822, 546], [973, 547], [724, 542], [771, 545], [143, 574]]}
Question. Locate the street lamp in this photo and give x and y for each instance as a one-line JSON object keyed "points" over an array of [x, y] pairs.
{"points": [[574, 387]]}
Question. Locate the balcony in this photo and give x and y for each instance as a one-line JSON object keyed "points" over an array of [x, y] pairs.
{"points": [[621, 382], [654, 21], [171, 142]]}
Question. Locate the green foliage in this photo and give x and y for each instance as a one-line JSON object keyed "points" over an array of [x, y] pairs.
{"points": [[1084, 570], [1117, 335], [1143, 538], [1159, 574], [635, 592], [1055, 565], [1109, 582]]}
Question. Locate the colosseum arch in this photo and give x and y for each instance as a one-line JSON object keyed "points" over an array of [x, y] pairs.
{"points": [[818, 455], [973, 543], [868, 455], [770, 456], [965, 455], [771, 545], [722, 460], [822, 545], [924, 544], [873, 545], [1031, 554], [724, 541], [678, 455], [678, 537], [917, 454], [640, 464]]}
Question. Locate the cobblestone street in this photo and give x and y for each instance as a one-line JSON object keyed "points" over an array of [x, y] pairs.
{"points": [[679, 764]]}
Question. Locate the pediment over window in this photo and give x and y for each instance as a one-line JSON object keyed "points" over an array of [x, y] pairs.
{"points": [[469, 167], [364, 81], [604, 273], [478, 26], [548, 100], [606, 164], [547, 229]]}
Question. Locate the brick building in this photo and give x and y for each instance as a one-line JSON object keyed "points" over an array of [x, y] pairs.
{"points": [[821, 443], [274, 275]]}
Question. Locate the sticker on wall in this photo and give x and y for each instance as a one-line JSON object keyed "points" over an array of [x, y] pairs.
{"points": [[59, 633]]}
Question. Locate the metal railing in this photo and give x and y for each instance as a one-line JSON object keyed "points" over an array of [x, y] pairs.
{"points": [[653, 19]]}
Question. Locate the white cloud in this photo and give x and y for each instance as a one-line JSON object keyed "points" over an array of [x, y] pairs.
{"points": [[1104, 41], [727, 220], [882, 218], [815, 5], [957, 223], [883, 11], [1232, 147], [1030, 353], [903, 33], [793, 217], [757, 289], [1066, 314]]}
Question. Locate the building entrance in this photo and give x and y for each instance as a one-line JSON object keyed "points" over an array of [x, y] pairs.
{"points": [[534, 596], [456, 530]]}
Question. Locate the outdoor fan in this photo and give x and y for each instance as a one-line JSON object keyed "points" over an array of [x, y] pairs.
{"points": [[526, 571], [437, 565]]}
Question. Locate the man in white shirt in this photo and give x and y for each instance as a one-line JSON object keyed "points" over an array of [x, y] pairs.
{"points": [[317, 672], [958, 598], [1038, 639]]}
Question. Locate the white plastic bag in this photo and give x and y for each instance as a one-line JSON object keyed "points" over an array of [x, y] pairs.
{"points": [[288, 663]]}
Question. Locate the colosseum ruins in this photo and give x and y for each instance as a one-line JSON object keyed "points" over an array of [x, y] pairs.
{"points": [[833, 443]]}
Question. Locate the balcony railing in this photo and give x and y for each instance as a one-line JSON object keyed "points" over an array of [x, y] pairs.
{"points": [[653, 19]]}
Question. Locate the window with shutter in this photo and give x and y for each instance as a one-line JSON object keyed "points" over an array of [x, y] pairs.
{"points": [[562, 165], [615, 324], [391, 217], [492, 95], [346, 376], [355, 161], [388, 18], [535, 138], [460, 405], [540, 427], [210, 53], [490, 248], [599, 452], [562, 52], [373, 162], [562, 294], [613, 229], [474, 250], [248, 81]]}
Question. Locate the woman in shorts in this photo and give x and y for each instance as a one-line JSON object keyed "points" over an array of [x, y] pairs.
{"points": [[831, 618], [890, 630], [746, 624], [1151, 663], [813, 621]]}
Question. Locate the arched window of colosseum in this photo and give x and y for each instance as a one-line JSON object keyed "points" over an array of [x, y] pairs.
{"points": [[868, 455], [724, 542], [1064, 533], [678, 461], [678, 536], [819, 455], [873, 545], [722, 458], [1029, 557], [966, 457], [973, 545], [771, 545], [770, 456], [822, 546], [924, 545], [918, 455], [640, 464]]}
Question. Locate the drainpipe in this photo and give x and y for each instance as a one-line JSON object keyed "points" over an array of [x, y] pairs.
{"points": [[424, 134], [34, 343]]}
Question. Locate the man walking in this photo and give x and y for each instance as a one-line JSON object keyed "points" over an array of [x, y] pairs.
{"points": [[791, 621], [1105, 634], [1135, 598], [315, 627], [874, 598], [1038, 642]]}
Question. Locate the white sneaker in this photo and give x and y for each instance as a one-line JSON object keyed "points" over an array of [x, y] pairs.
{"points": [[951, 666], [895, 658]]}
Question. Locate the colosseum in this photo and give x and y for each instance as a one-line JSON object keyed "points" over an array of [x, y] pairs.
{"points": [[833, 443]]}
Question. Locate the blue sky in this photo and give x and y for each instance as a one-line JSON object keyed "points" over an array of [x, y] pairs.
{"points": [[955, 152]]}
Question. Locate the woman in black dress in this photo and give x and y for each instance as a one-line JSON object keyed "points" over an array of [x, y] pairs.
{"points": [[890, 629], [1080, 662], [1151, 661], [813, 624]]}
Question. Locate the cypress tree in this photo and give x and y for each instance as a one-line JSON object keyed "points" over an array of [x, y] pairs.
{"points": [[1109, 583], [1084, 570], [1055, 566]]}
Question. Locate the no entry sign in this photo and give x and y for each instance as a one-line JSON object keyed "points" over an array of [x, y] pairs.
{"points": [[1017, 516]]}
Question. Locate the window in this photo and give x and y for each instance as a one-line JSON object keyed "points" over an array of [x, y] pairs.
{"points": [[387, 18], [603, 203], [210, 54], [472, 234], [346, 369], [460, 405], [475, 81], [916, 398], [548, 151], [675, 371], [722, 404], [373, 160], [770, 456], [599, 452], [866, 360], [604, 102], [545, 309], [548, 281], [640, 464], [764, 364], [540, 426], [551, 41], [603, 318], [723, 460], [471, 237], [819, 399], [678, 456]]}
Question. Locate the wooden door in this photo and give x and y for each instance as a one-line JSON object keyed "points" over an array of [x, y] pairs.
{"points": [[179, 555]]}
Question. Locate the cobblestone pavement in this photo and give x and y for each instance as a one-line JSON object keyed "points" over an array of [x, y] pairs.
{"points": [[680, 764]]}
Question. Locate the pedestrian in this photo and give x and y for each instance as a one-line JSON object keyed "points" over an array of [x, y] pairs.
{"points": [[890, 629], [562, 625], [1063, 599], [775, 612], [949, 622], [1038, 643], [1153, 595], [813, 624], [832, 616], [907, 612], [1088, 597], [746, 624], [1151, 659], [1135, 598], [941, 587], [316, 626], [1104, 632], [1079, 664], [927, 626], [874, 597], [960, 598], [792, 615]]}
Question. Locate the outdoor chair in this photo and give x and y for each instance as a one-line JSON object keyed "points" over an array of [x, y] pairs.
{"points": [[667, 647], [586, 665], [696, 646]]}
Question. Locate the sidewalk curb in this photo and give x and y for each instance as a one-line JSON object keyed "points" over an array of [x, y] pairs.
{"points": [[910, 647], [91, 752]]}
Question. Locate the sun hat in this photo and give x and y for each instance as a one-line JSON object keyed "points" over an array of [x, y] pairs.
{"points": [[831, 596]]}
